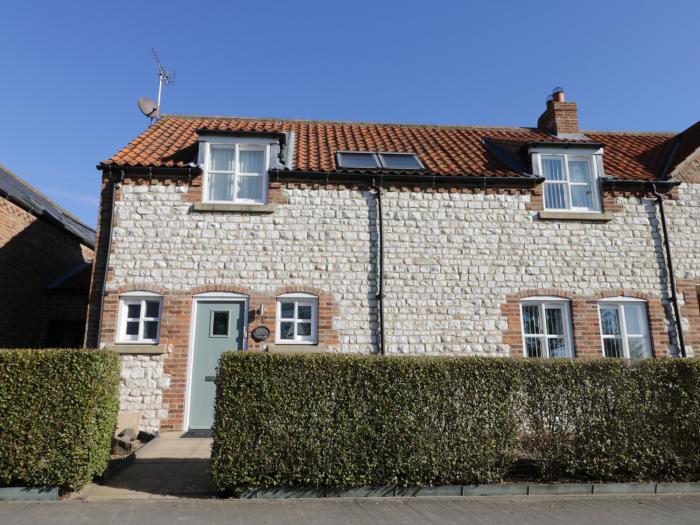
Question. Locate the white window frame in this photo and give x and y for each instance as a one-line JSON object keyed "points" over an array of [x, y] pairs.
{"points": [[595, 160], [140, 298], [298, 299], [619, 304], [237, 144], [544, 303]]}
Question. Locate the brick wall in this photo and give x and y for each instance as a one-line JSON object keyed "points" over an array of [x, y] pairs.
{"points": [[33, 253], [585, 320]]}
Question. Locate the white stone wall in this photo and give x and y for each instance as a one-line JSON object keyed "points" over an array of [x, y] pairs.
{"points": [[450, 258], [141, 389]]}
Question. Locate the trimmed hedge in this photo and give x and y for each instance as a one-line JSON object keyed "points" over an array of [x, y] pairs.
{"points": [[348, 421], [58, 411], [612, 420]]}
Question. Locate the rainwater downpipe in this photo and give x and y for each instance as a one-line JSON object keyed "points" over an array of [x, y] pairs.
{"points": [[380, 269], [671, 276]]}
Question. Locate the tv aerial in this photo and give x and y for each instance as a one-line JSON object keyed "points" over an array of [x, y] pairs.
{"points": [[148, 106]]}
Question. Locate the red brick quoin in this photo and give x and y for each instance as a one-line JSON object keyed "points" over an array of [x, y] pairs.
{"points": [[584, 320]]}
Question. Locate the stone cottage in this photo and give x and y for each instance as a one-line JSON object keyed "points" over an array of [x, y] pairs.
{"points": [[288, 235]]}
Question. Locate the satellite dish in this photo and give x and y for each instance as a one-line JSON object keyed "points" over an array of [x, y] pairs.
{"points": [[148, 107]]}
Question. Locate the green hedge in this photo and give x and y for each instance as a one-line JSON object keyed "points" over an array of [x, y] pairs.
{"points": [[346, 421], [612, 420], [58, 411]]}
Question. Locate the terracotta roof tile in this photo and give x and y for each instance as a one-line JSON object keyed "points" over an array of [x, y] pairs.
{"points": [[444, 150]]}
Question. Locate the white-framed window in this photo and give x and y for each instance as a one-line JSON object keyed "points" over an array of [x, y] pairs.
{"points": [[624, 328], [139, 318], [297, 319], [546, 327], [235, 172], [570, 179]]}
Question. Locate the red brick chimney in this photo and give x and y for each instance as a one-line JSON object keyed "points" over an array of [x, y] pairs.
{"points": [[560, 116]]}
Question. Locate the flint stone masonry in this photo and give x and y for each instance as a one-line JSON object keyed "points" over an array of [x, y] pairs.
{"points": [[451, 261], [141, 389], [450, 258]]}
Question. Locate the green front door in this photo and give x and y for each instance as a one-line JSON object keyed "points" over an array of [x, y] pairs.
{"points": [[218, 328]]}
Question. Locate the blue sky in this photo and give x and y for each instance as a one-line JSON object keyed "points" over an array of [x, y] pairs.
{"points": [[73, 71]]}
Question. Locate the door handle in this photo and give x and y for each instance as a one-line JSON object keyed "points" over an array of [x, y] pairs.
{"points": [[210, 378]]}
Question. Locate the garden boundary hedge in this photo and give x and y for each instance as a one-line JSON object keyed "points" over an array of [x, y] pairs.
{"points": [[58, 412], [353, 421]]}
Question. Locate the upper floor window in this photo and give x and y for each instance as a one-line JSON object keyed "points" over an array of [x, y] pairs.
{"points": [[139, 318], [546, 325], [624, 328], [297, 318], [570, 180], [236, 172]]}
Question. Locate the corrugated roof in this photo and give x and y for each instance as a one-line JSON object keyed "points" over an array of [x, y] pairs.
{"points": [[35, 202], [444, 150]]}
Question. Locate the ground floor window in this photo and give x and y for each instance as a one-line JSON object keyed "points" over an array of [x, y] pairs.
{"points": [[139, 319], [297, 318], [624, 327], [546, 327]]}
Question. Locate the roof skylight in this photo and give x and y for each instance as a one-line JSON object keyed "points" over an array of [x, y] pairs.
{"points": [[377, 160]]}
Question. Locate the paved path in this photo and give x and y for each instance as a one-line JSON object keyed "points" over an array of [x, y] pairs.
{"points": [[536, 510], [173, 466]]}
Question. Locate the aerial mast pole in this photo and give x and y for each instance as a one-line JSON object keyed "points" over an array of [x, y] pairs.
{"points": [[164, 78]]}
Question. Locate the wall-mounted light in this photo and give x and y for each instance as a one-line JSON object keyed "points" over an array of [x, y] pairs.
{"points": [[261, 310]]}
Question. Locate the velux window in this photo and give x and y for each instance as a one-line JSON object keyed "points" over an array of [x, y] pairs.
{"points": [[624, 328], [570, 181], [297, 318], [546, 325], [236, 172], [139, 319], [375, 160]]}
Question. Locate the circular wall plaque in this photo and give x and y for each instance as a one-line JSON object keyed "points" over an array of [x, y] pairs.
{"points": [[260, 333]]}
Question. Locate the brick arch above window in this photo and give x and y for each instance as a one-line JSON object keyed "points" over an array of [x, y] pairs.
{"points": [[543, 292], [141, 288], [621, 292], [301, 289], [223, 288]]}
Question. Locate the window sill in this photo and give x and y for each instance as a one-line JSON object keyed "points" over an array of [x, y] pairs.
{"points": [[591, 216], [296, 349], [130, 348], [200, 207]]}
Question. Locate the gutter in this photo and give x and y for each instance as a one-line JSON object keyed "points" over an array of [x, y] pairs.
{"points": [[393, 176], [610, 183], [159, 170], [380, 268]]}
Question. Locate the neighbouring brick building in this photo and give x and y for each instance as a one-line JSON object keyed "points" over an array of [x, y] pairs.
{"points": [[46, 257], [278, 235]]}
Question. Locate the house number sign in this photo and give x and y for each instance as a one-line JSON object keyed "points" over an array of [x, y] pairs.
{"points": [[260, 333]]}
